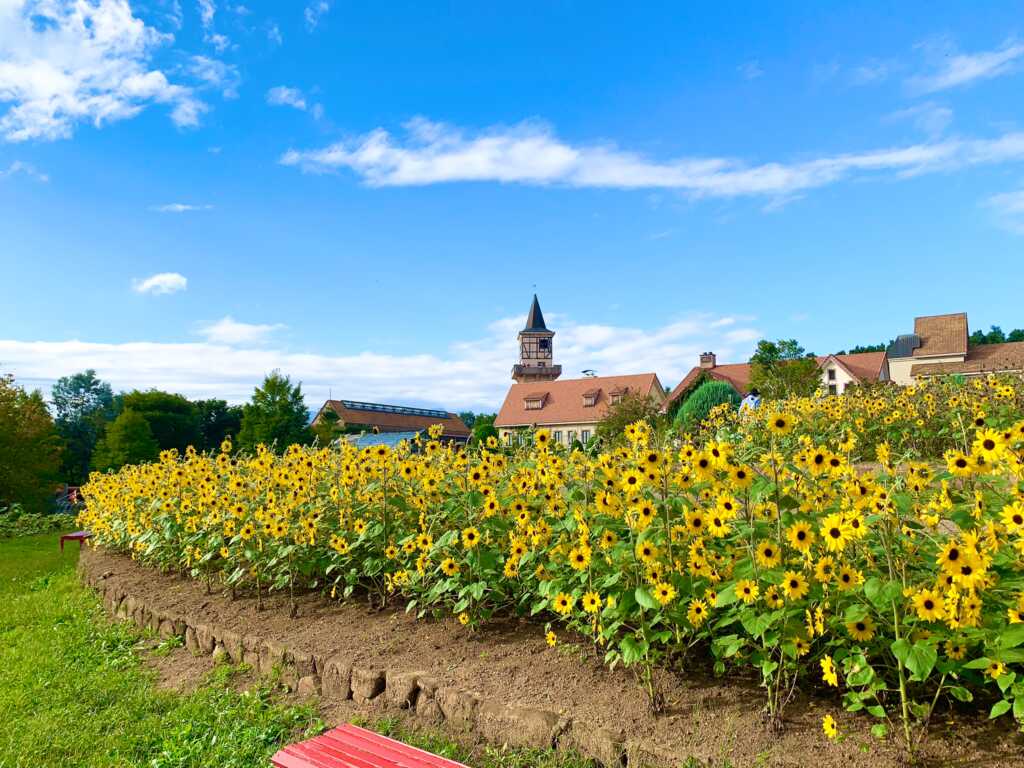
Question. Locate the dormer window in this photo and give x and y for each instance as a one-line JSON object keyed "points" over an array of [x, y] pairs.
{"points": [[590, 398], [616, 395], [535, 401]]}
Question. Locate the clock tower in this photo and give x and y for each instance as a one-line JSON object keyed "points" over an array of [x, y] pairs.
{"points": [[535, 349]]}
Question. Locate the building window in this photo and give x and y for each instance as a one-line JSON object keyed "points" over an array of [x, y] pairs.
{"points": [[534, 403], [832, 389], [585, 436], [558, 436], [544, 344], [572, 436], [590, 398], [831, 374], [508, 438]]}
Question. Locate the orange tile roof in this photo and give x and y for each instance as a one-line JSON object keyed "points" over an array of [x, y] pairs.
{"points": [[864, 366], [563, 403], [983, 358], [941, 334], [397, 422]]}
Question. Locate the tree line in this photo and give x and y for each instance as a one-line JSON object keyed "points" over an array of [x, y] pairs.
{"points": [[87, 427]]}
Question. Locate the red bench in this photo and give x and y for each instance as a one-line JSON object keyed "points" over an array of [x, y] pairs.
{"points": [[350, 746], [78, 536]]}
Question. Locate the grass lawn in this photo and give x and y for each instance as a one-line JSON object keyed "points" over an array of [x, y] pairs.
{"points": [[73, 691]]}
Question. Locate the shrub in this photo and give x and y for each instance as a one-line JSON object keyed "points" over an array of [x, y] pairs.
{"points": [[699, 403]]}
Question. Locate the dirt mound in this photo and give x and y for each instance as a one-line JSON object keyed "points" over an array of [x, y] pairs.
{"points": [[506, 684]]}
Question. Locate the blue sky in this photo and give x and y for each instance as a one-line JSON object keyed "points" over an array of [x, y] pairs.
{"points": [[365, 195]]}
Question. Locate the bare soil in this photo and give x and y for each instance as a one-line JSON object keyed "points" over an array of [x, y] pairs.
{"points": [[715, 721]]}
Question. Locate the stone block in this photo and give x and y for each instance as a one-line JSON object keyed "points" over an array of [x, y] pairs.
{"points": [[336, 679], [605, 745], [517, 726], [308, 686], [191, 643], [301, 661], [205, 641], [232, 642], [367, 683], [401, 688], [459, 707]]}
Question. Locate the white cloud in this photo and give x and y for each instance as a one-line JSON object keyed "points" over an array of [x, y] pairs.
{"points": [[1009, 209], [217, 74], [26, 169], [207, 12], [314, 12], [63, 62], [179, 208], [282, 95], [964, 68], [530, 153], [161, 283], [227, 330], [469, 374], [930, 118], [274, 34], [750, 70]]}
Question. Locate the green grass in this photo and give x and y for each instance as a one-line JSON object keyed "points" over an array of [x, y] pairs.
{"points": [[74, 693]]}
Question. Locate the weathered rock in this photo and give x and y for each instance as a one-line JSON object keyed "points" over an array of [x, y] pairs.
{"points": [[191, 643], [517, 726], [251, 652], [308, 686], [205, 640], [301, 661], [165, 629], [647, 755], [367, 683], [220, 653], [401, 688], [336, 679], [232, 642], [427, 707], [602, 744], [458, 707], [272, 655]]}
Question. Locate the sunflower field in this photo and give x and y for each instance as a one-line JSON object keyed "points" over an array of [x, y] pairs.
{"points": [[765, 546]]}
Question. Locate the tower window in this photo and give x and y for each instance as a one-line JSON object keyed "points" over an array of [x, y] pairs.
{"points": [[544, 343]]}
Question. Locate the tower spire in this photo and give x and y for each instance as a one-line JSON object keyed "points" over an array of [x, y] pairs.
{"points": [[536, 350]]}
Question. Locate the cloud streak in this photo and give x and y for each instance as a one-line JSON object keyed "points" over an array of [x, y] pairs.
{"points": [[965, 68], [283, 96], [227, 330], [531, 154], [180, 208], [469, 374], [25, 169], [161, 283]]}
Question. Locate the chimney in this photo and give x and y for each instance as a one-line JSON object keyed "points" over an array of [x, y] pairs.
{"points": [[707, 359]]}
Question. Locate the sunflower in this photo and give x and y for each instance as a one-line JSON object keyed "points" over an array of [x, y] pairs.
{"points": [[995, 669], [849, 578], [861, 630], [956, 649], [767, 554], [988, 444], [929, 606], [542, 438], [828, 725], [800, 536], [1013, 517], [795, 585], [836, 532], [551, 639], [579, 557], [449, 567], [563, 603], [779, 423], [747, 590], [697, 612], [664, 593], [828, 671], [950, 557], [591, 602], [470, 537]]}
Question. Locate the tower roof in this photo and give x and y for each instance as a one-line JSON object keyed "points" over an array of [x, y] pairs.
{"points": [[535, 319]]}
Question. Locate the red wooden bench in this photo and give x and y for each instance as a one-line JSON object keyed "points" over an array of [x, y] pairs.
{"points": [[78, 536], [350, 746]]}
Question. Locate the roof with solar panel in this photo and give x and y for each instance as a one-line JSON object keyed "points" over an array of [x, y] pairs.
{"points": [[385, 417]]}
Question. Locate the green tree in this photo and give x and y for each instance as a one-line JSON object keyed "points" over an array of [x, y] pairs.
{"points": [[217, 421], [468, 418], [30, 448], [127, 440], [83, 406], [173, 419], [329, 427], [782, 368], [277, 415], [699, 403], [632, 407], [996, 336], [483, 427]]}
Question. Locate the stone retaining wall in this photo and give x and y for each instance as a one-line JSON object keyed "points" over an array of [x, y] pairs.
{"points": [[335, 678]]}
